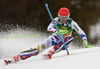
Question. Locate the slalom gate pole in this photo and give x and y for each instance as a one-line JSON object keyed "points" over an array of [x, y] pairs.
{"points": [[56, 27], [23, 36]]}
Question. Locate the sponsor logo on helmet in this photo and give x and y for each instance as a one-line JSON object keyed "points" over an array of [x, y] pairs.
{"points": [[63, 13]]}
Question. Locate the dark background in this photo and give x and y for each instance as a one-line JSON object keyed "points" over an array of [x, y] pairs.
{"points": [[33, 14]]}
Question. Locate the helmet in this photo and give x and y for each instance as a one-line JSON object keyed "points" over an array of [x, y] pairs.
{"points": [[63, 13]]}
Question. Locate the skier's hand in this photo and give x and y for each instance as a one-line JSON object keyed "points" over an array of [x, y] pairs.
{"points": [[85, 43]]}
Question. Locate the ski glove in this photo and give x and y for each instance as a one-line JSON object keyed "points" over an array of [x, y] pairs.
{"points": [[62, 32], [85, 43]]}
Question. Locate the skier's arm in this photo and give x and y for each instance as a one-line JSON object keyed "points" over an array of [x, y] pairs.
{"points": [[51, 27], [79, 30]]}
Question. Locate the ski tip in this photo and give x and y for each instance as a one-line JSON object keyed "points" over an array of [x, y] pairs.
{"points": [[5, 62]]}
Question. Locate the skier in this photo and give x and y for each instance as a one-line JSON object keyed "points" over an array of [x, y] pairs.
{"points": [[65, 26]]}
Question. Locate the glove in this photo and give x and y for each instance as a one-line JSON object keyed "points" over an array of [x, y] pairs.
{"points": [[62, 32], [85, 43]]}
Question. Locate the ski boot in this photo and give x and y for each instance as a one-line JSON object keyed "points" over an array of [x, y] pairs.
{"points": [[13, 60], [50, 53]]}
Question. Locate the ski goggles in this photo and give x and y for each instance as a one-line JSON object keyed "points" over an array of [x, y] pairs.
{"points": [[64, 17]]}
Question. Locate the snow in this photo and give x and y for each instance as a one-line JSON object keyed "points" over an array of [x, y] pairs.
{"points": [[95, 32], [84, 58]]}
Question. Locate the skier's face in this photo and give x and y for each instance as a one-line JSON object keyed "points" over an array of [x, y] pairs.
{"points": [[63, 20]]}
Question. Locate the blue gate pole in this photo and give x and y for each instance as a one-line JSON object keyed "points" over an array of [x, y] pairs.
{"points": [[56, 28]]}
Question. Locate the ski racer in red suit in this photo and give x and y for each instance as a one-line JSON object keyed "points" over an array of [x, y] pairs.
{"points": [[65, 26]]}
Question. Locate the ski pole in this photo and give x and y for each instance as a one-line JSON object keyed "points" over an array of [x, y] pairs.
{"points": [[56, 27]]}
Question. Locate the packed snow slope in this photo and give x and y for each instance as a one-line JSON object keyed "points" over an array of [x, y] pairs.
{"points": [[79, 58], [86, 58]]}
